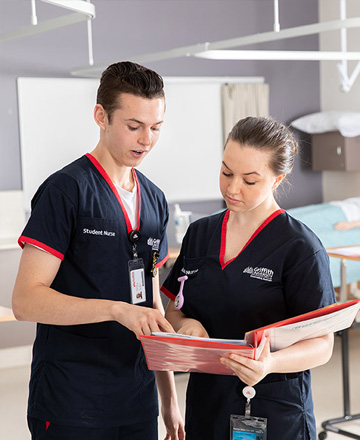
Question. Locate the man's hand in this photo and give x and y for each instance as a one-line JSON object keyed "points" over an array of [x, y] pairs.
{"points": [[173, 423], [141, 320]]}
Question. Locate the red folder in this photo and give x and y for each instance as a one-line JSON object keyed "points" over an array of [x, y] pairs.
{"points": [[175, 352]]}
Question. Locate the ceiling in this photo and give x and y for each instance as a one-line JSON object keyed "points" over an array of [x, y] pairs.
{"points": [[124, 29]]}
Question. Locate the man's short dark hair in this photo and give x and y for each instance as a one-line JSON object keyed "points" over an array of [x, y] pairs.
{"points": [[127, 77]]}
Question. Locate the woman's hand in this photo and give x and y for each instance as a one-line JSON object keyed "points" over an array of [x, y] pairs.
{"points": [[184, 325], [192, 327], [303, 355], [248, 370]]}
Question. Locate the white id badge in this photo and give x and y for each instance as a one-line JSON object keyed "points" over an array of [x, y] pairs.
{"points": [[137, 281]]}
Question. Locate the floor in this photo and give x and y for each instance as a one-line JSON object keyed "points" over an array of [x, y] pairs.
{"points": [[327, 390]]}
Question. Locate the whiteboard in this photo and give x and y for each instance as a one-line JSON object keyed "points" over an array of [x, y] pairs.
{"points": [[186, 160], [57, 127]]}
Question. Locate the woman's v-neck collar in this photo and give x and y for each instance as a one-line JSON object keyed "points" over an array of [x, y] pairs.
{"points": [[258, 230], [106, 177]]}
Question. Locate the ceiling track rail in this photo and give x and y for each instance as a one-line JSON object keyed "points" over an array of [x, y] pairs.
{"points": [[81, 11], [202, 48]]}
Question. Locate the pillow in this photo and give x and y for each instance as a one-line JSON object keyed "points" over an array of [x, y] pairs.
{"points": [[348, 123]]}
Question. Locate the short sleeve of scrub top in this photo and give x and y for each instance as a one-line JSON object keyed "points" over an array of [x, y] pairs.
{"points": [[53, 217]]}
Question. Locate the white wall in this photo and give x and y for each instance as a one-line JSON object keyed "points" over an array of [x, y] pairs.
{"points": [[338, 184]]}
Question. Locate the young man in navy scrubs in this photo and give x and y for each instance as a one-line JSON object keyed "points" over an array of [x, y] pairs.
{"points": [[88, 277]]}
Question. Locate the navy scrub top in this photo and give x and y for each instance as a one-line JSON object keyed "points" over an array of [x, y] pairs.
{"points": [[93, 375], [283, 271]]}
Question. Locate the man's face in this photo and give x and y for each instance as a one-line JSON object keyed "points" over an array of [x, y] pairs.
{"points": [[134, 129]]}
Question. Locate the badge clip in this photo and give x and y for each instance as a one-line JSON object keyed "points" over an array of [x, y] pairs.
{"points": [[179, 300], [249, 393], [134, 236]]}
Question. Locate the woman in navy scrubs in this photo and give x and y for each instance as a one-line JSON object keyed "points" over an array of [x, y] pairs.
{"points": [[249, 266], [88, 277]]}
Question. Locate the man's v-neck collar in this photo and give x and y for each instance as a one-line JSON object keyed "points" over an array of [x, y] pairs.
{"points": [[106, 177]]}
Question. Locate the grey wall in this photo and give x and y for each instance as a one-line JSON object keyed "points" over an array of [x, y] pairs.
{"points": [[127, 28]]}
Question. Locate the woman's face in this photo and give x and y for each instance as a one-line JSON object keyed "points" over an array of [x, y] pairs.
{"points": [[246, 180]]}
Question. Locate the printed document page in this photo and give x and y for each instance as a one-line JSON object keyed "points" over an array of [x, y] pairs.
{"points": [[284, 336], [198, 338]]}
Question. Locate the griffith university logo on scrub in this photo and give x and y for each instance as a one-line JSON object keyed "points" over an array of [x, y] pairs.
{"points": [[154, 243], [261, 273]]}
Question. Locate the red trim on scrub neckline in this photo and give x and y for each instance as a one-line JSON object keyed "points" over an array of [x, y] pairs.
{"points": [[223, 239], [104, 174], [23, 240], [223, 235], [167, 293]]}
